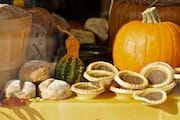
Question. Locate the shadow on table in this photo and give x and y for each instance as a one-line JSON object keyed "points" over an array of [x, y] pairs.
{"points": [[24, 113], [32, 113], [7, 116], [106, 95], [171, 104]]}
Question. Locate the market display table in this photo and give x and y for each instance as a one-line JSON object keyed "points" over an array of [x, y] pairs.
{"points": [[105, 107]]}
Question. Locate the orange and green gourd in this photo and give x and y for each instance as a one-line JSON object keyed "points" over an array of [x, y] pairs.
{"points": [[70, 67], [138, 43]]}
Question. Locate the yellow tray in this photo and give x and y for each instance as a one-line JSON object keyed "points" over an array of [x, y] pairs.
{"points": [[104, 107]]}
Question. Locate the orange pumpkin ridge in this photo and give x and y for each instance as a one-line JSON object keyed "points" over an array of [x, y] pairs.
{"points": [[138, 43]]}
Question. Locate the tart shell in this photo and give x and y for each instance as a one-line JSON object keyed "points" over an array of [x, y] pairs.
{"points": [[146, 96], [128, 85], [159, 66], [86, 90]]}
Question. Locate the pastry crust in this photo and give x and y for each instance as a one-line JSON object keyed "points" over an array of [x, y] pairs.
{"points": [[131, 80], [100, 77], [164, 70], [177, 74], [86, 90], [151, 96], [101, 65], [101, 73], [169, 86], [122, 93]]}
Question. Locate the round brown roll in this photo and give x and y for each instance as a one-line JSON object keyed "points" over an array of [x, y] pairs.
{"points": [[35, 71]]}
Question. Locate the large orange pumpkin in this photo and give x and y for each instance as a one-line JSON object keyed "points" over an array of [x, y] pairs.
{"points": [[138, 43], [124, 11]]}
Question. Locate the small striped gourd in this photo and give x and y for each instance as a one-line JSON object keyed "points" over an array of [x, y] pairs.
{"points": [[70, 67]]}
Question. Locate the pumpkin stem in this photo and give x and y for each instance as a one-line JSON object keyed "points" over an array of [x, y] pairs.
{"points": [[153, 3], [150, 15], [110, 7], [72, 44]]}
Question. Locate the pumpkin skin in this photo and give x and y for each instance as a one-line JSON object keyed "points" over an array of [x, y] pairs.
{"points": [[119, 15], [137, 44]]}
